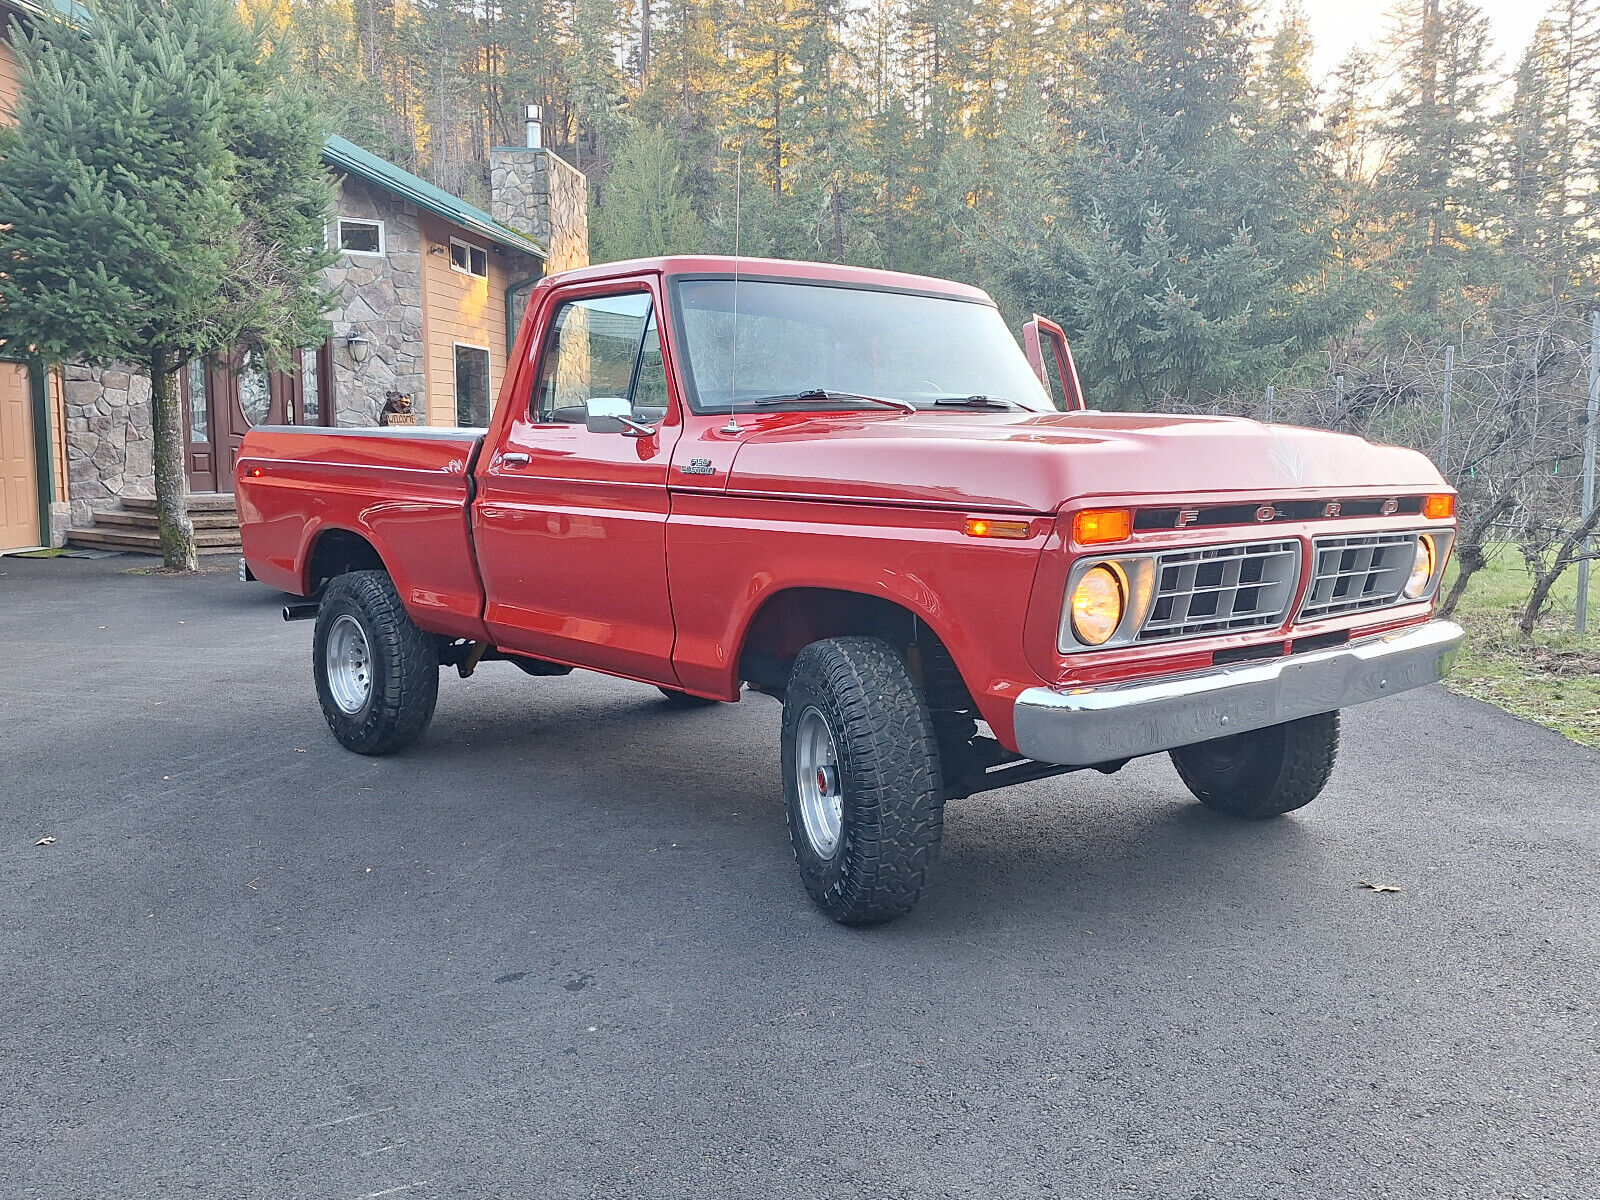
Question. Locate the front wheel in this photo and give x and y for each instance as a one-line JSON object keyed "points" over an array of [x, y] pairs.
{"points": [[862, 783], [377, 673], [1264, 773]]}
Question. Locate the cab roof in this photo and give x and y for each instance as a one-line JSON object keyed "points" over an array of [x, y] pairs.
{"points": [[678, 265]]}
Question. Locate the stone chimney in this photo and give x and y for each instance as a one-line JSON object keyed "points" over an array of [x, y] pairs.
{"points": [[537, 192]]}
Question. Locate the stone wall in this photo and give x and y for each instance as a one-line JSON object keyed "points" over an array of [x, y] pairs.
{"points": [[382, 302], [109, 447], [539, 193]]}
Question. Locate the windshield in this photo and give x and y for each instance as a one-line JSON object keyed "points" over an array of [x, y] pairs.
{"points": [[755, 343]]}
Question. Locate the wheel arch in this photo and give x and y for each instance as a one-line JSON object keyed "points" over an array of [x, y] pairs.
{"points": [[790, 618], [332, 551]]}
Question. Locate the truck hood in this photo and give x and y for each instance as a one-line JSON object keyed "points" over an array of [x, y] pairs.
{"points": [[1033, 462]]}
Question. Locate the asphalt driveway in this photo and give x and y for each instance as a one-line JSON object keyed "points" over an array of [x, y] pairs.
{"points": [[559, 949]]}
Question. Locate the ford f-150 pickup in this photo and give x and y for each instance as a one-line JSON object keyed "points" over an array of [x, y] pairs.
{"points": [[853, 490]]}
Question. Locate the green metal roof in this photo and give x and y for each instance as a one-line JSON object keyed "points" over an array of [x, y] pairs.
{"points": [[347, 156], [67, 10]]}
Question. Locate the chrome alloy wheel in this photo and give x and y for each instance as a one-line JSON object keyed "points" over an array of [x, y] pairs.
{"points": [[349, 664], [816, 766]]}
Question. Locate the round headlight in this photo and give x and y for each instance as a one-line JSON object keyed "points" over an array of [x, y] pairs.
{"points": [[1097, 604], [1422, 565]]}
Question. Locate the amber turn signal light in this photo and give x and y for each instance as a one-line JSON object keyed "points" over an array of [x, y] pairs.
{"points": [[985, 528], [1095, 525], [1438, 507]]}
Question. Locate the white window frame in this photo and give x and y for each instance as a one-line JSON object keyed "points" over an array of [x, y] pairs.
{"points": [[455, 396], [338, 236], [469, 248]]}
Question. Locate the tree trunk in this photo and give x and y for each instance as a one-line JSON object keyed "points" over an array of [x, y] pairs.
{"points": [[172, 478], [644, 44], [1570, 551], [1470, 555]]}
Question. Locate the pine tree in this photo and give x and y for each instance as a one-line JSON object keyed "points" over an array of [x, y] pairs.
{"points": [[161, 198]]}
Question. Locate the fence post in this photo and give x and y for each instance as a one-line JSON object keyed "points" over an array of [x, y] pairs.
{"points": [[1449, 386], [1271, 391], [1590, 429]]}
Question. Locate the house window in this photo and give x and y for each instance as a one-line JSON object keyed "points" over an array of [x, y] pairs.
{"points": [[360, 237], [472, 386], [469, 259]]}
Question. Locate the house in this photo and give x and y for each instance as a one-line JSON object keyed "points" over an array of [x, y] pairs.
{"points": [[430, 291]]}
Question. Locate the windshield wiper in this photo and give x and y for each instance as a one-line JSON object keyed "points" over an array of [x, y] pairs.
{"points": [[973, 402], [815, 394]]}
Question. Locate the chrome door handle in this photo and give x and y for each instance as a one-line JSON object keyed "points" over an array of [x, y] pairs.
{"points": [[514, 459]]}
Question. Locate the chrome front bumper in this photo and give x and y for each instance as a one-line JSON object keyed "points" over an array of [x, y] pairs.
{"points": [[1084, 726]]}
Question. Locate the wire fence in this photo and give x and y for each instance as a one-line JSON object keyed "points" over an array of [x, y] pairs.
{"points": [[1510, 419]]}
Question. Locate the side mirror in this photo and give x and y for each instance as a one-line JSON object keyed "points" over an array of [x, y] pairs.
{"points": [[613, 414], [1045, 344]]}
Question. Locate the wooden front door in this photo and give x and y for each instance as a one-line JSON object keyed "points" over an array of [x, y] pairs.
{"points": [[19, 479], [226, 400]]}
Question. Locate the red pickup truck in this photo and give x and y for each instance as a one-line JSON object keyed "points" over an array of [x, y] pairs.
{"points": [[853, 490]]}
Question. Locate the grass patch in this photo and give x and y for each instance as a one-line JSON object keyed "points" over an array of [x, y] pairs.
{"points": [[1552, 677]]}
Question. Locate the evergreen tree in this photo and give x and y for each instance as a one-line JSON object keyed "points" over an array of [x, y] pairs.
{"points": [[647, 211], [1549, 150], [1437, 189], [161, 198], [1192, 257]]}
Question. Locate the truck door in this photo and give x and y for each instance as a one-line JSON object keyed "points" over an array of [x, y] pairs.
{"points": [[569, 520]]}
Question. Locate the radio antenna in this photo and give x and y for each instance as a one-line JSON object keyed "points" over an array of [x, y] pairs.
{"points": [[733, 389]]}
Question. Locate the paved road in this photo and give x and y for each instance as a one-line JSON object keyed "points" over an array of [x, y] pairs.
{"points": [[560, 950]]}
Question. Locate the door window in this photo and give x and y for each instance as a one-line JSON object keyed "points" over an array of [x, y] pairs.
{"points": [[472, 386], [199, 418], [593, 353], [255, 390], [650, 384], [310, 386]]}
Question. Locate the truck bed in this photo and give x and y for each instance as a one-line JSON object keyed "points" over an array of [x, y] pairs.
{"points": [[404, 490]]}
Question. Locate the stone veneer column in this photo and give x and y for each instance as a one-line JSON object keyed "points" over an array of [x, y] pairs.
{"points": [[108, 436], [537, 192], [380, 299]]}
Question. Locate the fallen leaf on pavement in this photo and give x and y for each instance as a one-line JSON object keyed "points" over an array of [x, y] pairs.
{"points": [[1377, 887]]}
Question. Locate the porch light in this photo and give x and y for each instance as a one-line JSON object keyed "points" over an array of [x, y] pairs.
{"points": [[359, 348]]}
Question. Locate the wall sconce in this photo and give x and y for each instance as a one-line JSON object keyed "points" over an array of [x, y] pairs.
{"points": [[359, 348]]}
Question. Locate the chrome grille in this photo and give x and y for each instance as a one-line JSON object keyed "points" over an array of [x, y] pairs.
{"points": [[1222, 588], [1357, 572]]}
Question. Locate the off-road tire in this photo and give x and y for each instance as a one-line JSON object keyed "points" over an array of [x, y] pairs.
{"points": [[404, 665], [889, 782], [1265, 773], [683, 700]]}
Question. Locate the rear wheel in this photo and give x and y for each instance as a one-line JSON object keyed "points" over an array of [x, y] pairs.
{"points": [[862, 784], [377, 673], [1264, 773]]}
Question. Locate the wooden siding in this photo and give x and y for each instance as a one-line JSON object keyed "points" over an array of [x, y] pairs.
{"points": [[457, 307], [58, 424], [10, 76]]}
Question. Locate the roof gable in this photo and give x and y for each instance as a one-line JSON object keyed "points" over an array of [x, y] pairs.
{"points": [[346, 156]]}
